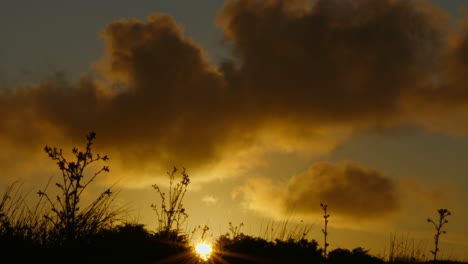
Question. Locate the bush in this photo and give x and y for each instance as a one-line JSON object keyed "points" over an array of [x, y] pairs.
{"points": [[357, 255], [67, 220]]}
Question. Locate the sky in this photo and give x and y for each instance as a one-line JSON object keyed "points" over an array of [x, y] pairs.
{"points": [[272, 107]]}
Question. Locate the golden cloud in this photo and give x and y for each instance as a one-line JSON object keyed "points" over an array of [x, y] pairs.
{"points": [[350, 190]]}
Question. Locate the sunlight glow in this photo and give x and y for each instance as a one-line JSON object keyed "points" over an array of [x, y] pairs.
{"points": [[203, 251]]}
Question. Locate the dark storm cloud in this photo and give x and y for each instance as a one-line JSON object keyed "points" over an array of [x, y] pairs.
{"points": [[350, 190]]}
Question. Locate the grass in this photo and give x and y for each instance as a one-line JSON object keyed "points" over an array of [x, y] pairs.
{"points": [[407, 250], [284, 230]]}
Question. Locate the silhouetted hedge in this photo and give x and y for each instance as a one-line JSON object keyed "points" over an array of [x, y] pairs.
{"points": [[248, 249]]}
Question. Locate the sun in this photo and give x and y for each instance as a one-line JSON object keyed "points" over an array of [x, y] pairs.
{"points": [[203, 250]]}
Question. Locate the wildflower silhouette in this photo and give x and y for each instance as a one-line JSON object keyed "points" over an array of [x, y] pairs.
{"points": [[443, 213], [70, 221], [171, 213]]}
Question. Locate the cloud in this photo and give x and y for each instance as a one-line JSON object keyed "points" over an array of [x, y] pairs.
{"points": [[209, 199], [334, 62], [350, 190], [261, 195], [156, 102], [364, 63], [428, 194], [303, 78]]}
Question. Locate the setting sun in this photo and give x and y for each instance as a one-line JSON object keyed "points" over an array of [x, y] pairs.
{"points": [[203, 250]]}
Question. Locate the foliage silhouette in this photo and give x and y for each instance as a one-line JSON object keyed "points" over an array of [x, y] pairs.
{"points": [[443, 214], [402, 249], [325, 230], [171, 212], [20, 226], [133, 243], [236, 247], [357, 255], [68, 220], [65, 233]]}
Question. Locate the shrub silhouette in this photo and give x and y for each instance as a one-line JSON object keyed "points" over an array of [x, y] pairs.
{"points": [[171, 212], [67, 220], [132, 243], [236, 247], [357, 255]]}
